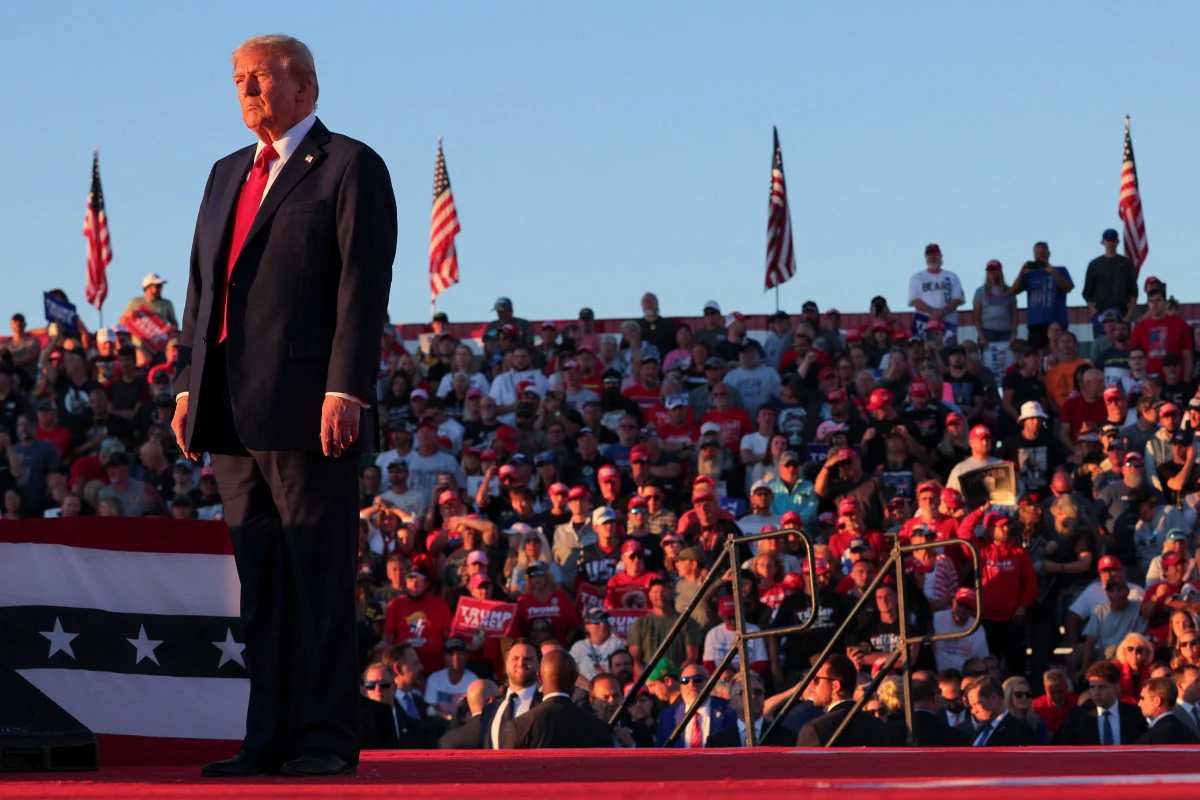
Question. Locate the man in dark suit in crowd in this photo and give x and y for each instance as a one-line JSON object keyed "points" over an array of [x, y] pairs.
{"points": [[735, 736], [712, 717], [394, 717], [466, 735], [558, 722], [288, 285], [1158, 699], [997, 728], [833, 690], [1187, 686], [1102, 720], [518, 697], [930, 728]]}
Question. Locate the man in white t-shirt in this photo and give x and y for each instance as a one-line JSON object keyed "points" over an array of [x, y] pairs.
{"points": [[505, 389], [757, 383], [719, 641], [936, 294], [754, 445], [446, 687], [953, 653], [592, 652], [761, 498]]}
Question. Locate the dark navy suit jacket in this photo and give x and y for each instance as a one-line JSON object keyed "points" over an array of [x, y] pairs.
{"points": [[722, 718], [308, 295]]}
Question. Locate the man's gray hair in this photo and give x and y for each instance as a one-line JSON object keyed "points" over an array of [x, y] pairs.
{"points": [[292, 53]]}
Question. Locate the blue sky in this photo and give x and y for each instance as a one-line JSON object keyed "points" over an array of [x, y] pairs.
{"points": [[598, 150]]}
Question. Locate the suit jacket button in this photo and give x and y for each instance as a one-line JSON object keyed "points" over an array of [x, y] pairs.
{"points": [[203, 340]]}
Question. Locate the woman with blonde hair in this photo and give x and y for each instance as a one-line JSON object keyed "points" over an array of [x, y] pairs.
{"points": [[1018, 699], [1133, 657], [1183, 640], [995, 308], [533, 547]]}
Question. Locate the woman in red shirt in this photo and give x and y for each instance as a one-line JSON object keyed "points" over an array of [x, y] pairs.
{"points": [[544, 600]]}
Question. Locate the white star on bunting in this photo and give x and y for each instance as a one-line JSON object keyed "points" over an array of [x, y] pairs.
{"points": [[145, 647], [230, 650], [59, 640]]}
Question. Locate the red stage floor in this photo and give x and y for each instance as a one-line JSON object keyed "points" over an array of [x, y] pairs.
{"points": [[1057, 773]]}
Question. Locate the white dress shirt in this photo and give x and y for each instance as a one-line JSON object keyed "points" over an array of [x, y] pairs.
{"points": [[703, 718], [758, 730], [524, 698], [1114, 720], [1150, 722], [986, 733], [285, 147]]}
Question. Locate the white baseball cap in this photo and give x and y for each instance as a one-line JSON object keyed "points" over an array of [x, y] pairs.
{"points": [[153, 279]]}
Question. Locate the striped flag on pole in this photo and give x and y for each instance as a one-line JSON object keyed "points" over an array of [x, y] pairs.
{"points": [[95, 229], [443, 228], [1130, 207], [781, 256]]}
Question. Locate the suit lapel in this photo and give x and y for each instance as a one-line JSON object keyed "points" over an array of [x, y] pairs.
{"points": [[305, 158], [228, 207]]}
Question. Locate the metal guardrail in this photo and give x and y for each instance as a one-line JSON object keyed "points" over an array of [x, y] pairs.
{"points": [[895, 563], [728, 558]]}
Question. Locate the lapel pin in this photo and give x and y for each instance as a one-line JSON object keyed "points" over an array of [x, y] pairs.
{"points": [[308, 159]]}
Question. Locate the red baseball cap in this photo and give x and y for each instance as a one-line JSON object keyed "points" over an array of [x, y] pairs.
{"points": [[791, 519], [793, 580], [879, 399], [994, 264], [898, 502], [726, 608], [1109, 562], [507, 471], [608, 472], [928, 486], [489, 455], [826, 372], [981, 432], [952, 498], [703, 491], [919, 387], [559, 488], [848, 505], [639, 452], [935, 325], [836, 396], [447, 496], [1171, 559], [578, 493], [637, 501], [1168, 408], [631, 547], [826, 518], [1112, 392], [822, 565], [994, 518], [509, 329], [854, 335], [966, 597], [954, 417]]}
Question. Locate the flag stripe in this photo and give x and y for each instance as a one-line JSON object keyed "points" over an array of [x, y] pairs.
{"points": [[101, 642], [781, 257], [148, 705], [99, 249], [141, 535], [124, 582], [117, 750]]}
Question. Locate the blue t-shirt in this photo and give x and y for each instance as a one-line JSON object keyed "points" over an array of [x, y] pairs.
{"points": [[1047, 302]]}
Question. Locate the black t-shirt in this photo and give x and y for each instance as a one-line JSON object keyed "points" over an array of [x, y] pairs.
{"points": [[11, 407], [799, 648], [586, 471], [1179, 393], [88, 428], [475, 433], [966, 389], [1035, 460], [597, 566], [74, 405], [1024, 389], [876, 448], [1167, 472], [930, 423]]}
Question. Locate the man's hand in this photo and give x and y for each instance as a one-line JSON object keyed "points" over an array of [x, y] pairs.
{"points": [[179, 426], [339, 424]]}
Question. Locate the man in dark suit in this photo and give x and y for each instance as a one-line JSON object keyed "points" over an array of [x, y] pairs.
{"points": [[997, 728], [517, 698], [558, 722], [712, 717], [735, 736], [1187, 686], [1102, 720], [466, 735], [833, 690], [288, 284], [1158, 699], [930, 728]]}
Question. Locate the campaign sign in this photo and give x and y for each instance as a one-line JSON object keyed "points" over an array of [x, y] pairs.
{"points": [[997, 357], [621, 618], [149, 327], [588, 596], [62, 312], [920, 319], [996, 483], [493, 617]]}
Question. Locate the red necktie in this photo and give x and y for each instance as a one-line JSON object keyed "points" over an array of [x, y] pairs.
{"points": [[696, 736], [249, 199]]}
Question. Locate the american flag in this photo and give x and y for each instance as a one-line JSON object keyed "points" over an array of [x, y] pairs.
{"points": [[781, 256], [443, 227], [99, 250], [1130, 207]]}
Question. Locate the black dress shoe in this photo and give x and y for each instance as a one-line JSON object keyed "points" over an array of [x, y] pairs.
{"points": [[240, 766], [316, 764]]}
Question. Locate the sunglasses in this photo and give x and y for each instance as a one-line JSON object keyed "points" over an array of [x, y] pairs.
{"points": [[371, 686], [1190, 643], [535, 573], [1133, 649], [653, 496], [1023, 695], [693, 679]]}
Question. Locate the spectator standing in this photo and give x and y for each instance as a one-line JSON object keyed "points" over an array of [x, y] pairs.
{"points": [[1046, 288], [656, 330], [152, 300], [24, 350], [936, 294], [1111, 282], [954, 653], [504, 316], [994, 308], [648, 632], [421, 618], [1060, 380], [1160, 333], [757, 383]]}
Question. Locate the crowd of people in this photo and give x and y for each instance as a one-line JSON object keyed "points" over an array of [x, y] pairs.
{"points": [[588, 482]]}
